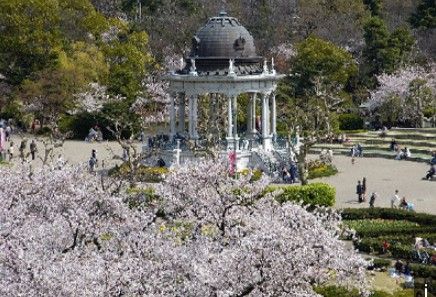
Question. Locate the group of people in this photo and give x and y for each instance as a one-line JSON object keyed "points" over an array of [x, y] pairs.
{"points": [[400, 153], [94, 134], [402, 203], [8, 151], [357, 150], [361, 190], [290, 174]]}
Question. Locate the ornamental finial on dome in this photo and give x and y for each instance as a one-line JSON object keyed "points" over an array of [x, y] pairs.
{"points": [[223, 13]]}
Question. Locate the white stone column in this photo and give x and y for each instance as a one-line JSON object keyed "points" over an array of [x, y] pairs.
{"points": [[235, 115], [181, 128], [273, 116], [254, 97], [235, 121], [193, 117], [229, 117], [266, 137], [172, 115], [250, 116]]}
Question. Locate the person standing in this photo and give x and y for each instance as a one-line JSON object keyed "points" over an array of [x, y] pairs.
{"points": [[359, 191], [8, 131], [364, 189], [33, 149], [94, 156], [395, 199]]}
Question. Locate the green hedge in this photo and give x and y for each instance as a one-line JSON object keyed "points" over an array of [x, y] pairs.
{"points": [[335, 291], [422, 219], [398, 250], [381, 263], [144, 173], [312, 194], [422, 270], [350, 121]]}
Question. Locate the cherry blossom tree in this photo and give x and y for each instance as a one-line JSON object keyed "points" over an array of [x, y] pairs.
{"points": [[413, 89], [64, 232]]}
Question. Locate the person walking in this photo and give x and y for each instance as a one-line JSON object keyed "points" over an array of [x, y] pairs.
{"points": [[22, 147], [372, 199], [359, 192], [33, 149], [431, 172], [11, 150], [395, 199], [93, 161]]}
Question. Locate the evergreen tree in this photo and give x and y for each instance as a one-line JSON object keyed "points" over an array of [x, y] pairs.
{"points": [[375, 6], [425, 15], [385, 51]]}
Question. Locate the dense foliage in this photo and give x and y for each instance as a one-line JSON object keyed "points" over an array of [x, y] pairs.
{"points": [[350, 121], [50, 51]]}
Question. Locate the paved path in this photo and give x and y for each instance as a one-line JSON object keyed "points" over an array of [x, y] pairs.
{"points": [[383, 176], [76, 152]]}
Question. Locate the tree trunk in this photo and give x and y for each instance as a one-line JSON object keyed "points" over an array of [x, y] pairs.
{"points": [[301, 158]]}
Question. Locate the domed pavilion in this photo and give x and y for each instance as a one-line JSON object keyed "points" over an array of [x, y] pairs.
{"points": [[222, 65]]}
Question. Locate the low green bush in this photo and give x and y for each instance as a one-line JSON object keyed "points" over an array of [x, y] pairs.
{"points": [[422, 270], [335, 291], [381, 263], [350, 121], [383, 227], [143, 173], [422, 219], [312, 194]]}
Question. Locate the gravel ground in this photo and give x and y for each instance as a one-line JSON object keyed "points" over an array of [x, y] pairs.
{"points": [[75, 152], [383, 176]]}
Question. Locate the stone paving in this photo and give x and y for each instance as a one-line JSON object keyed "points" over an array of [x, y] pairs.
{"points": [[75, 152], [383, 176]]}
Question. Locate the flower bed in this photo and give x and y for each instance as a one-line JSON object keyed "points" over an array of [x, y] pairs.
{"points": [[320, 169]]}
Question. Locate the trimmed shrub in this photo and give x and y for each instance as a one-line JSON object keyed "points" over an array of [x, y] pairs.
{"points": [[422, 219], [381, 263], [334, 291], [312, 194], [422, 270], [350, 121], [144, 173], [379, 227]]}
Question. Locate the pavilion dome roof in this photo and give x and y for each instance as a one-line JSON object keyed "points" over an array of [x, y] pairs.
{"points": [[223, 37]]}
